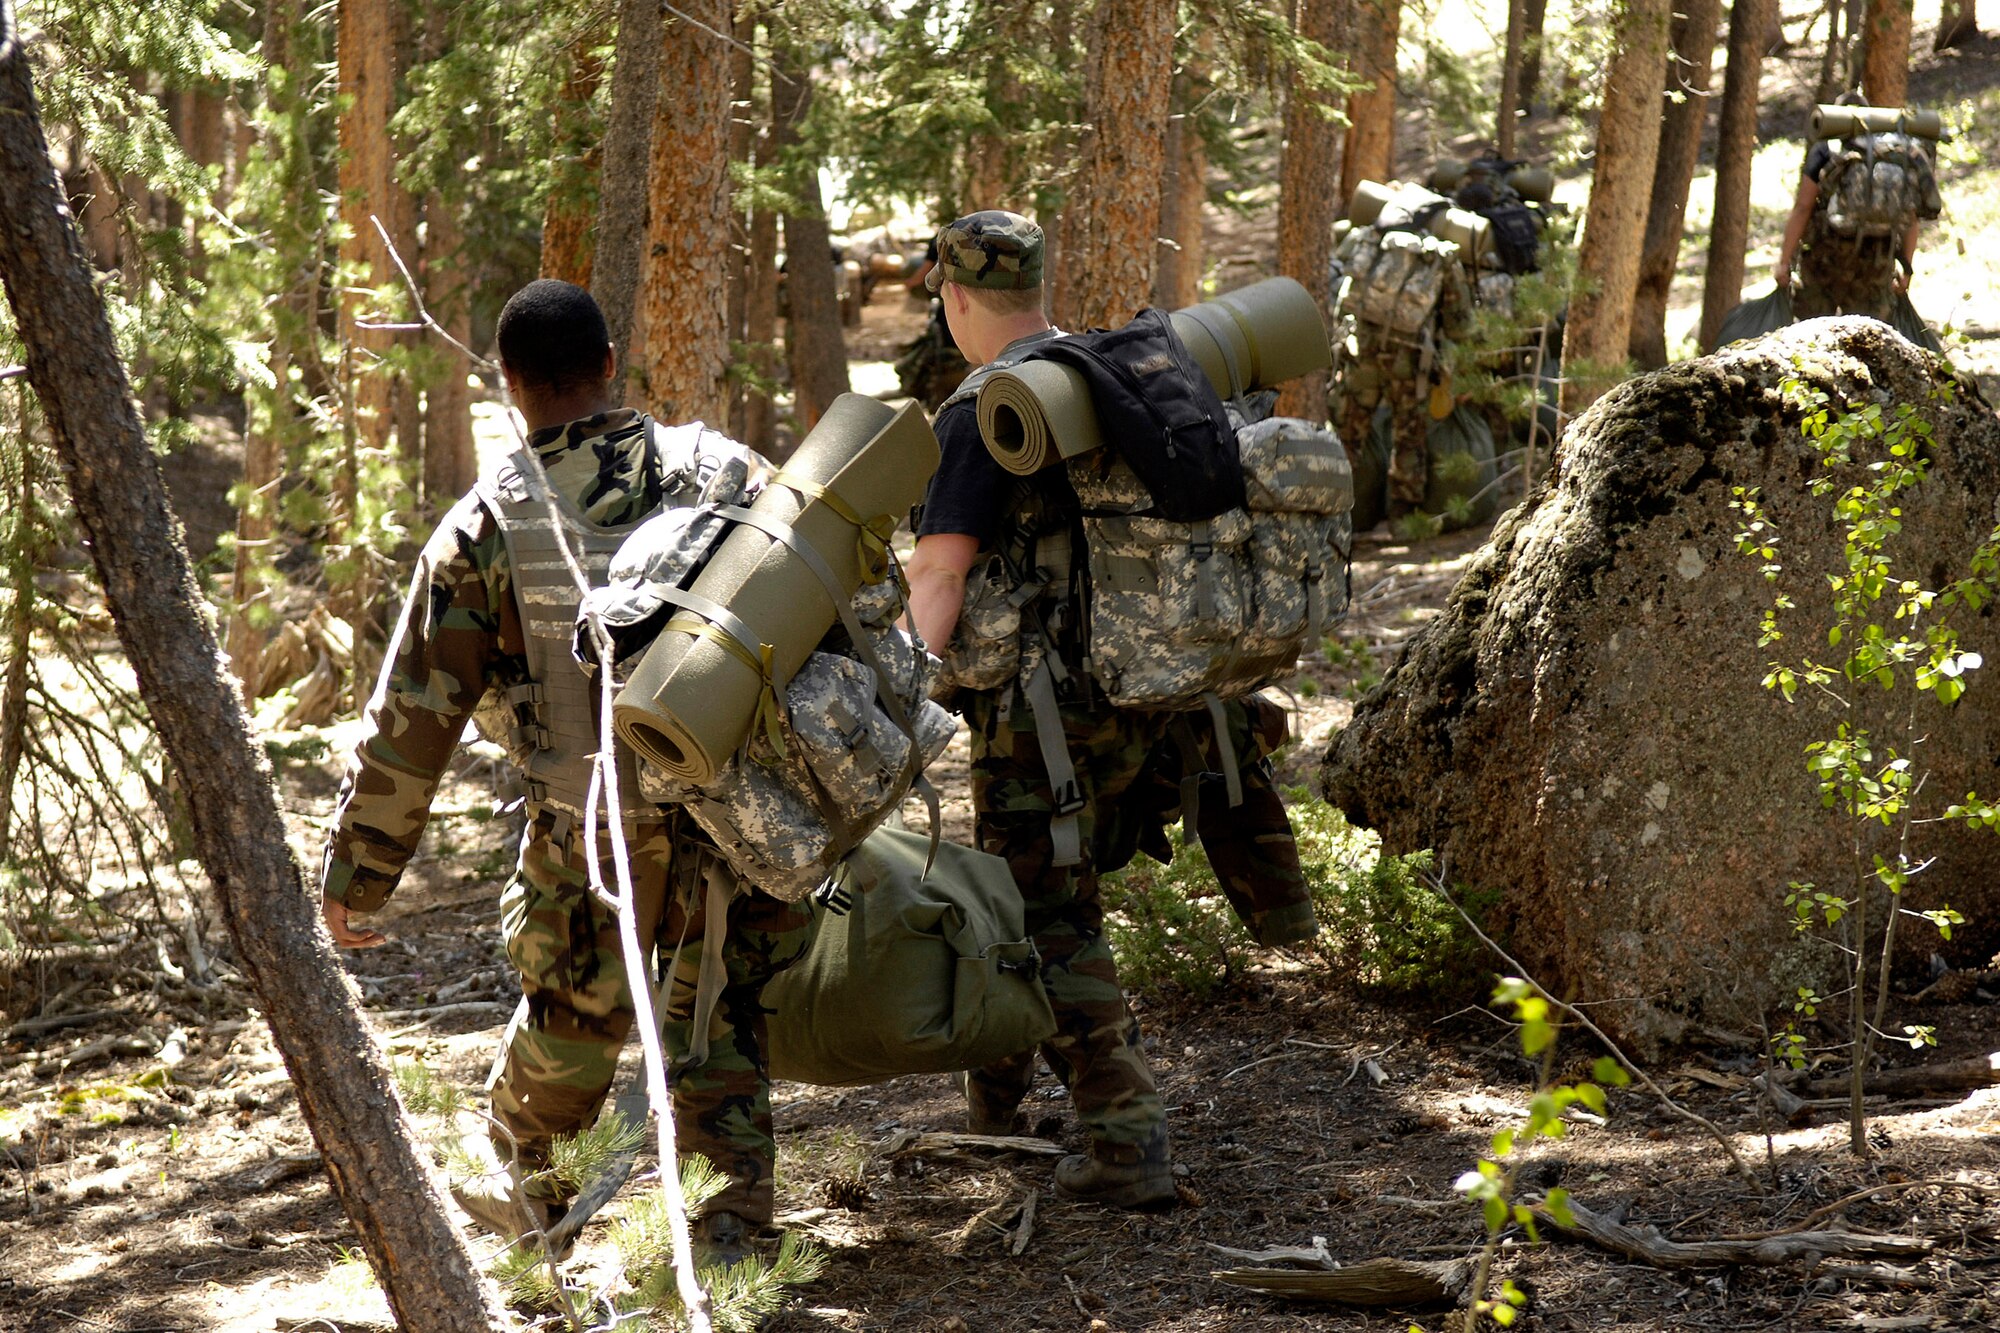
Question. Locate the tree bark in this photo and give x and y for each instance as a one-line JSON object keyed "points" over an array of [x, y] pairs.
{"points": [[450, 464], [1310, 196], [344, 1087], [814, 344], [1885, 60], [570, 211], [742, 149], [1534, 16], [760, 330], [1111, 229], [365, 50], [1628, 145], [1371, 113], [1958, 23], [1736, 143], [685, 361], [1689, 71], [1184, 193], [622, 194], [1509, 113]]}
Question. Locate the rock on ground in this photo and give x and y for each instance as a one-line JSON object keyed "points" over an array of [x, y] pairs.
{"points": [[1584, 730]]}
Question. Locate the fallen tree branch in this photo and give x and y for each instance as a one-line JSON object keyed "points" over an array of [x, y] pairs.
{"points": [[1841, 1204], [31, 1027], [1979, 1071], [910, 1141], [1370, 1283], [1648, 1246]]}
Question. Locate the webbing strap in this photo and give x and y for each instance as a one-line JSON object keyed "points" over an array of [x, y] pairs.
{"points": [[1207, 603], [712, 974], [872, 535], [1232, 775], [858, 635], [724, 619], [1065, 834], [762, 660]]}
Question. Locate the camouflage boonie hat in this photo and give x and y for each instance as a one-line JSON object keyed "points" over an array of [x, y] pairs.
{"points": [[992, 249]]}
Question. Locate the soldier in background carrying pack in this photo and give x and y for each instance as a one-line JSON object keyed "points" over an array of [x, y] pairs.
{"points": [[1406, 293], [1854, 223], [487, 628]]}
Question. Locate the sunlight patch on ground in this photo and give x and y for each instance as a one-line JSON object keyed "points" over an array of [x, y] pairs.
{"points": [[877, 379]]}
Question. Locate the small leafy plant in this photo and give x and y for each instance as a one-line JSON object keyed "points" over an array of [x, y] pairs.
{"points": [[1887, 630]]}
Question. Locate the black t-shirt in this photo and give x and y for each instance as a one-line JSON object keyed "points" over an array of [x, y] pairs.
{"points": [[1818, 158], [970, 492]]}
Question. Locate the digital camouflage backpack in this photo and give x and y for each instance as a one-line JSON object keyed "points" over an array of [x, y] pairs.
{"points": [[1877, 186], [1393, 280]]}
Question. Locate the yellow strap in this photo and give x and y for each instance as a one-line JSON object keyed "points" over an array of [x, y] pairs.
{"points": [[770, 713], [872, 541]]}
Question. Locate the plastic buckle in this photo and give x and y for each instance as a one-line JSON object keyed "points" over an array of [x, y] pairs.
{"points": [[1069, 798], [536, 792], [1202, 550]]}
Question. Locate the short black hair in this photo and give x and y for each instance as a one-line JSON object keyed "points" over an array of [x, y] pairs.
{"points": [[552, 336]]}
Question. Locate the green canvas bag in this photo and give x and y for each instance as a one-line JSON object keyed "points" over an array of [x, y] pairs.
{"points": [[923, 974]]}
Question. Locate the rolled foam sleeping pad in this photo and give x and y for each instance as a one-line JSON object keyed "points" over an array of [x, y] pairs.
{"points": [[1035, 413], [1537, 185], [1840, 122], [1370, 198], [692, 698], [1446, 176], [1468, 231]]}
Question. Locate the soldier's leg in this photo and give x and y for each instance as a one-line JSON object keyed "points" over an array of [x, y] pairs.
{"points": [[722, 1100], [1251, 848], [1096, 1050], [1409, 434], [561, 1050]]}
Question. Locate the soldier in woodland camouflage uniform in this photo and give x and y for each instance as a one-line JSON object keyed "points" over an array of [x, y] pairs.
{"points": [[464, 638], [989, 273], [1405, 372]]}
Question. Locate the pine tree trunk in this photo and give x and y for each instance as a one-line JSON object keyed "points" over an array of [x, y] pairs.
{"points": [[1111, 230], [1885, 65], [1831, 62], [814, 343], [570, 212], [1628, 145], [1958, 23], [1310, 196], [344, 1087], [1689, 70], [1736, 143], [20, 629], [1184, 193], [760, 330], [450, 466], [742, 148], [1371, 113], [1505, 120], [1534, 15], [682, 297], [622, 194], [366, 50]]}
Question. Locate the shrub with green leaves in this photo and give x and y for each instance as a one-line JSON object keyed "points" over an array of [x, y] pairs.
{"points": [[1381, 924]]}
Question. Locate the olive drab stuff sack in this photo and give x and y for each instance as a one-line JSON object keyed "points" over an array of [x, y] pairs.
{"points": [[1877, 186], [922, 973], [1755, 318]]}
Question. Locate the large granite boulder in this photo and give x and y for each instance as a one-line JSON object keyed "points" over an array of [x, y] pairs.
{"points": [[1583, 729]]}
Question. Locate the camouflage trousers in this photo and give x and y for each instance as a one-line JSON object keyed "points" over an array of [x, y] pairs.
{"points": [[1389, 380], [1096, 1050], [561, 1050], [1846, 279], [1250, 846]]}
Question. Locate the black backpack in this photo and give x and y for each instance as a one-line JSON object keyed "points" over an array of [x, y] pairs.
{"points": [[1160, 413], [1517, 236]]}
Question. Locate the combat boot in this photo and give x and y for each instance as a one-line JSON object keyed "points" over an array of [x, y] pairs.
{"points": [[721, 1239], [1121, 1175], [492, 1201]]}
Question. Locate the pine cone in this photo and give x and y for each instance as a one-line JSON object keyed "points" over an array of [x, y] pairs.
{"points": [[1188, 1197], [848, 1192]]}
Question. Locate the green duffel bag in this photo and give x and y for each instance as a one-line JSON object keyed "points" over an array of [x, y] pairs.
{"points": [[1368, 464], [1755, 318], [921, 975]]}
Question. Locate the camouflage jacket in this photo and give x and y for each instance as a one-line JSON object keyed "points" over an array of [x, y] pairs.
{"points": [[459, 635]]}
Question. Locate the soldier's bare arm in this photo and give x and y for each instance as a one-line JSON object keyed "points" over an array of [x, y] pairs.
{"points": [[937, 571], [1795, 229]]}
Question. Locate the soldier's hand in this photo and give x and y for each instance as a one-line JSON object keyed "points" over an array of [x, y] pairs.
{"points": [[1903, 276], [345, 935], [1782, 275]]}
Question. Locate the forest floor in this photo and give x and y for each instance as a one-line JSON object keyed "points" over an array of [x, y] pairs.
{"points": [[155, 1173]]}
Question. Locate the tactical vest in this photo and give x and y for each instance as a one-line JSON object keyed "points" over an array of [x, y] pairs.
{"points": [[551, 729]]}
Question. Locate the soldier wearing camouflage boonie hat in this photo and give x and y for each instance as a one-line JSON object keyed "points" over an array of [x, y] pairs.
{"points": [[993, 248]]}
